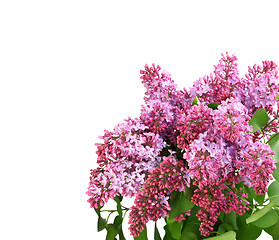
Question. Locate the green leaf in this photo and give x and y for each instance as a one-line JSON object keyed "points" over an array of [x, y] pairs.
{"points": [[196, 101], [101, 224], [224, 227], [179, 204], [118, 225], [260, 198], [175, 229], [273, 191], [188, 236], [257, 215], [259, 120], [221, 216], [192, 223], [117, 221], [251, 232], [267, 220], [156, 233], [250, 191], [225, 236], [112, 232], [273, 230], [277, 97], [213, 105], [276, 172], [143, 235], [274, 145], [230, 219], [168, 235], [246, 231]]}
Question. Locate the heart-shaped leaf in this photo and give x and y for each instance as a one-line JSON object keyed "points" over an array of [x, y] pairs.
{"points": [[112, 232], [175, 228], [179, 204], [267, 220], [273, 230], [230, 219], [246, 231], [273, 142], [259, 120], [101, 224]]}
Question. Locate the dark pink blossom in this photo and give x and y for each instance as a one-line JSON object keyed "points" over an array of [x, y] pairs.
{"points": [[194, 121], [151, 203]]}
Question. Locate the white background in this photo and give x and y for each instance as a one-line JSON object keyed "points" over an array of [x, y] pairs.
{"points": [[70, 69]]}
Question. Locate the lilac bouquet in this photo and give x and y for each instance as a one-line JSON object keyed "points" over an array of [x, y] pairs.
{"points": [[202, 159]]}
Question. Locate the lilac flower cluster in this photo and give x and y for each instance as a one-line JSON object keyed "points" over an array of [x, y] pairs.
{"points": [[225, 154], [125, 157], [217, 86], [257, 89], [151, 203], [215, 198], [163, 102], [218, 147], [192, 122]]}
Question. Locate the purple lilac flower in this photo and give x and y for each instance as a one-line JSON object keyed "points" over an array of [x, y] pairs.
{"points": [[127, 155]]}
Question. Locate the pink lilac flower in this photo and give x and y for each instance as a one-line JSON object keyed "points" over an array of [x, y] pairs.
{"points": [[194, 121], [163, 102], [183, 216], [157, 115], [255, 164], [159, 85], [208, 161], [151, 203], [220, 196], [259, 87], [127, 155], [218, 86], [231, 120]]}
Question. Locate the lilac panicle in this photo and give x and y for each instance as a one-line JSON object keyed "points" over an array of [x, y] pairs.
{"points": [[151, 203], [125, 157], [218, 86]]}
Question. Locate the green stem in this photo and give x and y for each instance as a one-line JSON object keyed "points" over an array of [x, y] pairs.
{"points": [[271, 197], [111, 211], [262, 135], [109, 216]]}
